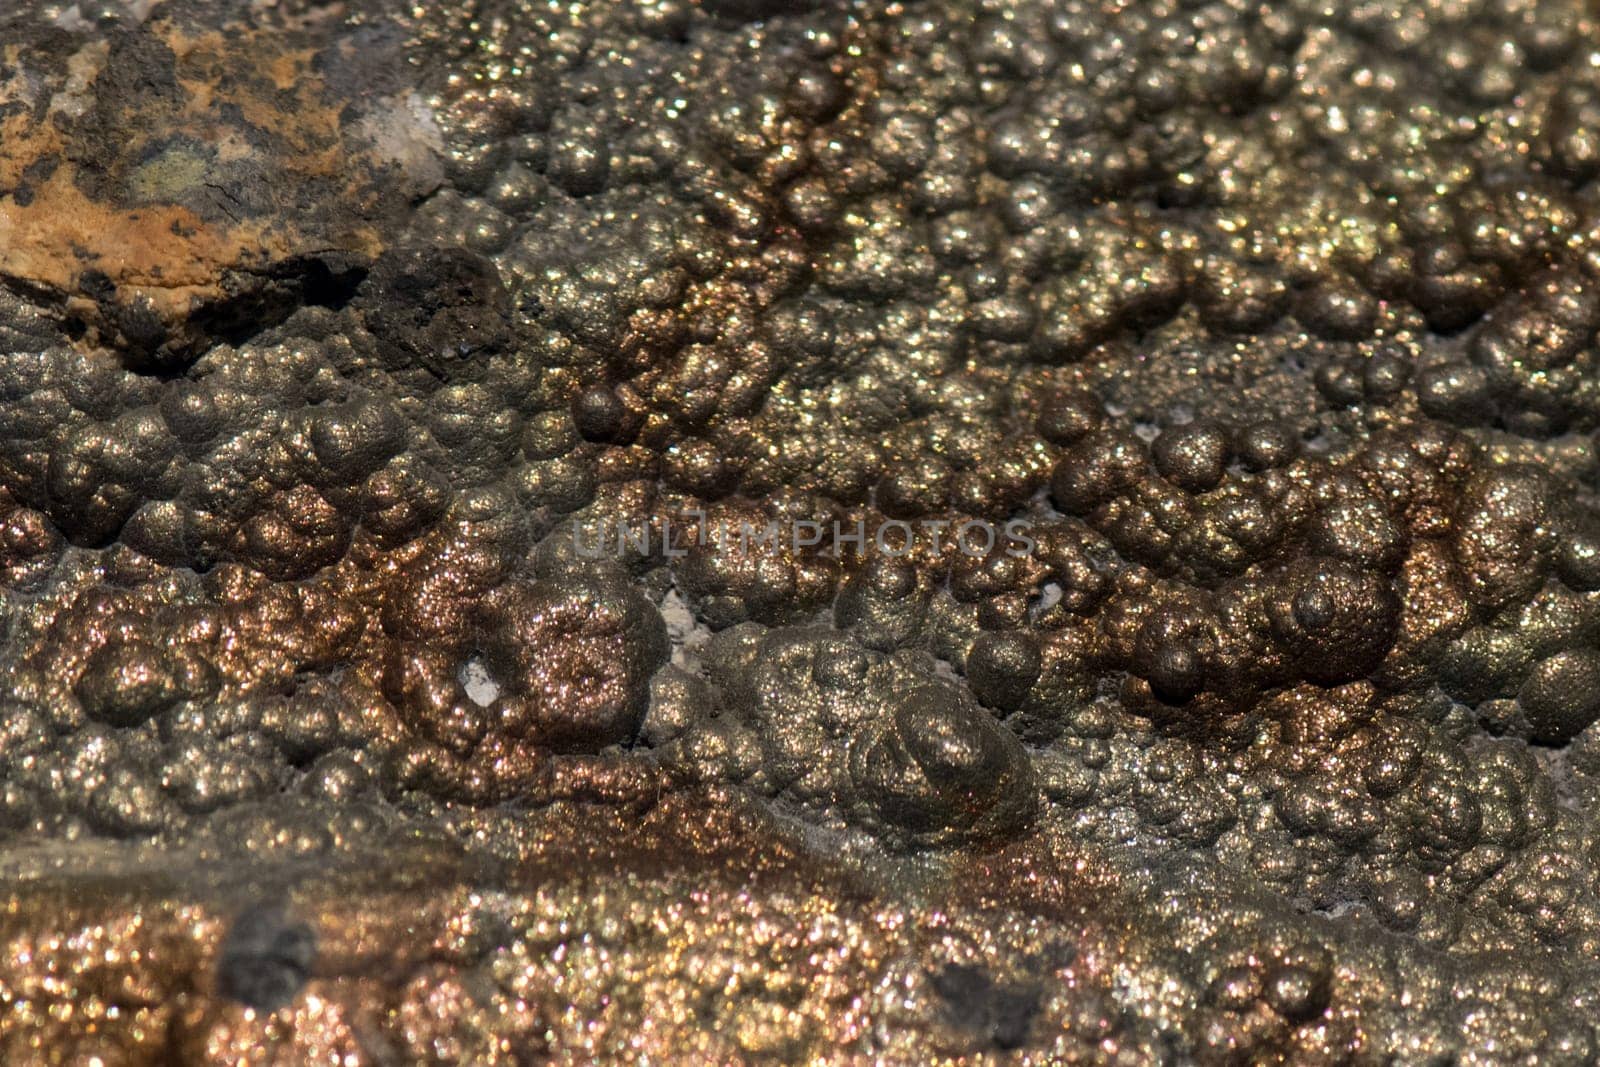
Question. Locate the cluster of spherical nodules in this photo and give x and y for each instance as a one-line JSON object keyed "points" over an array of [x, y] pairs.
{"points": [[1301, 422]]}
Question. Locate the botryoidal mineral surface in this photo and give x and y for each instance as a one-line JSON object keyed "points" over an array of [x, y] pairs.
{"points": [[331, 333]]}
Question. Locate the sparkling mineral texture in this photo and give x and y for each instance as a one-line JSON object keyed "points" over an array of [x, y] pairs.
{"points": [[445, 452]]}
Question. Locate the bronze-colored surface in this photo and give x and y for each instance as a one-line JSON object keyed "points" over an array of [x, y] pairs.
{"points": [[332, 333]]}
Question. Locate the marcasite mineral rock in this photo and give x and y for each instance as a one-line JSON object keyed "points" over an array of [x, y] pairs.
{"points": [[335, 336]]}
